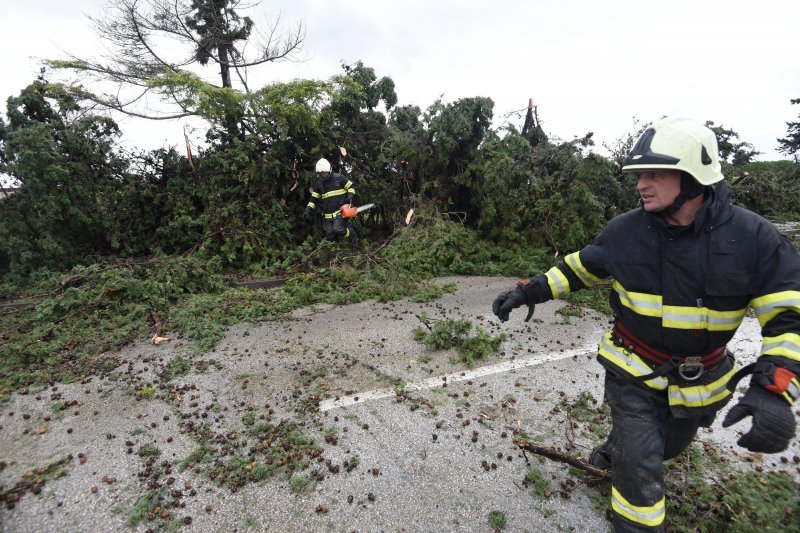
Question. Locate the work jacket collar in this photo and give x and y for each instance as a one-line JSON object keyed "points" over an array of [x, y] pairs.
{"points": [[715, 211]]}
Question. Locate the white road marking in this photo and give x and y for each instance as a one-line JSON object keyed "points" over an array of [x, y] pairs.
{"points": [[430, 383]]}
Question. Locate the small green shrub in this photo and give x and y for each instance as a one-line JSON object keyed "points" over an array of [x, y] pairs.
{"points": [[451, 333], [497, 520], [540, 485]]}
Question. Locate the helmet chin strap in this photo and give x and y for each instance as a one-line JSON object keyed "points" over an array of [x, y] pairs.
{"points": [[690, 188]]}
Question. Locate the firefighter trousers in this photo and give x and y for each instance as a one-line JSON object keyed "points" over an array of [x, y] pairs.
{"points": [[644, 434], [338, 227]]}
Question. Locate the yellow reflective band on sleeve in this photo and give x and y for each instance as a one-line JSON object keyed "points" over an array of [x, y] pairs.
{"points": [[573, 260], [559, 285], [651, 516], [639, 302], [680, 317], [769, 306], [335, 192], [629, 362], [334, 214], [701, 395], [311, 205], [792, 391], [349, 187], [315, 195], [786, 345]]}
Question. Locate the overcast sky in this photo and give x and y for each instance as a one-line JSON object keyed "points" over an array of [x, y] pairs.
{"points": [[590, 65]]}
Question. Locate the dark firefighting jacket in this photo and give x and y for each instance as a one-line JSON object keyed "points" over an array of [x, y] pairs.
{"points": [[332, 193], [685, 291]]}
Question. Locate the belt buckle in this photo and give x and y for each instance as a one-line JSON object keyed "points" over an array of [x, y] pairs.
{"points": [[691, 364]]}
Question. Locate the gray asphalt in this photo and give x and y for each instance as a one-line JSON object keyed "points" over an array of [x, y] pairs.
{"points": [[439, 458]]}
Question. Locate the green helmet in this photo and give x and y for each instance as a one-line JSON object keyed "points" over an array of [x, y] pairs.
{"points": [[675, 143]]}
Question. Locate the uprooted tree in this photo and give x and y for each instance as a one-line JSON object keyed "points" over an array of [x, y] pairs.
{"points": [[154, 45]]}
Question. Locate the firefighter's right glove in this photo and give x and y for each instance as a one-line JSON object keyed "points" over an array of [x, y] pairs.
{"points": [[307, 214], [773, 421], [507, 301]]}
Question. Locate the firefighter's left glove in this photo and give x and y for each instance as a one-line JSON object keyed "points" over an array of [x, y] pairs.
{"points": [[773, 423], [507, 301], [307, 214]]}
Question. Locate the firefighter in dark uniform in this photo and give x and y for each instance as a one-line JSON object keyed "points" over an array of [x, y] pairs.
{"points": [[686, 266], [332, 190]]}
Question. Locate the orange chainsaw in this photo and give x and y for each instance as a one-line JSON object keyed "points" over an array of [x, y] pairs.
{"points": [[349, 211]]}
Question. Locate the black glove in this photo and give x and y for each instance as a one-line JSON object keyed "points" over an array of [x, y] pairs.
{"points": [[773, 421], [506, 301], [307, 214]]}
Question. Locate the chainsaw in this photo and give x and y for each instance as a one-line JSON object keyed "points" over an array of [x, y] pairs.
{"points": [[348, 211]]}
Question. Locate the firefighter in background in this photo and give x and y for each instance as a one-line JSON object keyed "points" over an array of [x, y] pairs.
{"points": [[332, 190], [686, 265]]}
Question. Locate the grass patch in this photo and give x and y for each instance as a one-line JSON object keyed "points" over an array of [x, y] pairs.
{"points": [[298, 484], [146, 506], [148, 450], [446, 334], [497, 520], [178, 366], [540, 485], [147, 392]]}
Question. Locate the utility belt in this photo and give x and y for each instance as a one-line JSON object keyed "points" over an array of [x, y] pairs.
{"points": [[690, 368]]}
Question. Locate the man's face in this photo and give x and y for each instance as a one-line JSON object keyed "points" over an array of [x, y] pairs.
{"points": [[323, 175], [658, 189]]}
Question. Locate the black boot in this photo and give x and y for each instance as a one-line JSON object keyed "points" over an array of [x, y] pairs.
{"points": [[600, 458]]}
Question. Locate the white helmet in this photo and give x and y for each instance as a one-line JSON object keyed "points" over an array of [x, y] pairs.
{"points": [[323, 165], [675, 143]]}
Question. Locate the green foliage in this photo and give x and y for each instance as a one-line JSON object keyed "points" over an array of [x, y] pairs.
{"points": [[706, 494], [282, 449], [298, 484], [430, 291], [446, 334], [497, 520], [771, 188], [541, 486], [147, 392], [92, 310], [148, 450], [736, 153], [790, 144], [63, 160], [595, 297], [146, 505], [746, 501]]}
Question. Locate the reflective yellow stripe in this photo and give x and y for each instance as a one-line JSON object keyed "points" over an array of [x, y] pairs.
{"points": [[315, 194], [574, 262], [680, 317], [701, 395], [311, 205], [792, 391], [349, 187], [676, 316], [652, 515], [336, 192], [639, 302], [787, 345], [769, 306], [333, 215], [629, 362], [559, 285]]}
